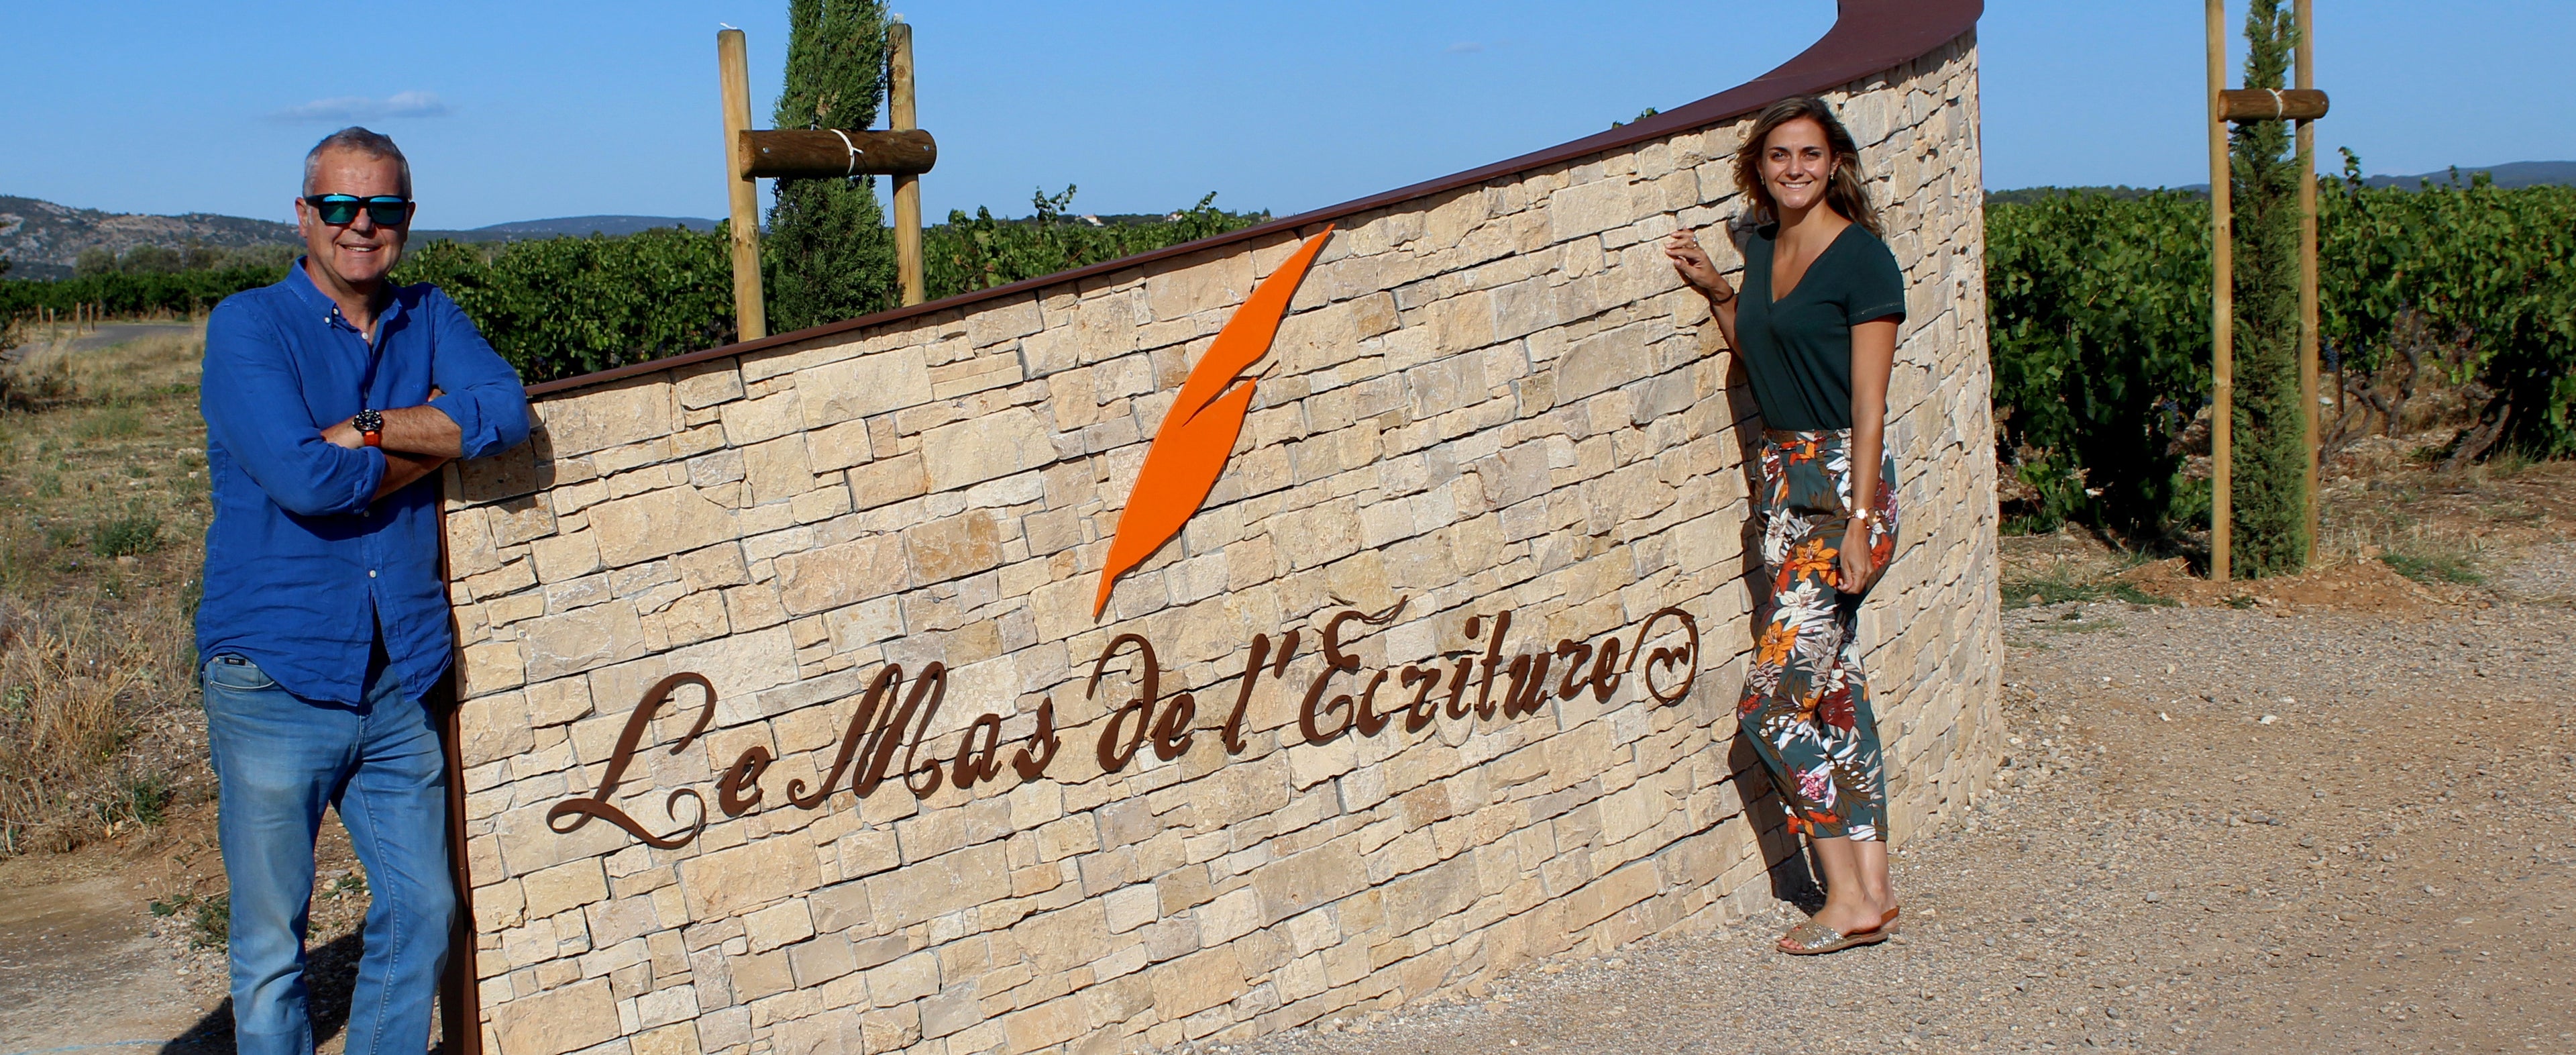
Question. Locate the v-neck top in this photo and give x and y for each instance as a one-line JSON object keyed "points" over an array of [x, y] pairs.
{"points": [[1797, 349]]}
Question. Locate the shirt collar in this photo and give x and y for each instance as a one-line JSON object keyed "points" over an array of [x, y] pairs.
{"points": [[322, 304]]}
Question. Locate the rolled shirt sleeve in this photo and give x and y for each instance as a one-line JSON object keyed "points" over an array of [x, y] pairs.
{"points": [[482, 394], [255, 409]]}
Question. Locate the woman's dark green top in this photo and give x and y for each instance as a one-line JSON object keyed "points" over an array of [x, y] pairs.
{"points": [[1797, 349]]}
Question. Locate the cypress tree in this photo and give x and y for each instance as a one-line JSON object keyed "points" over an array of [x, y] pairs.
{"points": [[2272, 531], [828, 254]]}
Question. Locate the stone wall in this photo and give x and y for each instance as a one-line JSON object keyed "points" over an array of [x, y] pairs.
{"points": [[1487, 400]]}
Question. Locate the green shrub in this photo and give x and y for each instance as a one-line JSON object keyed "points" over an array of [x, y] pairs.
{"points": [[143, 799], [828, 254], [126, 536], [210, 919]]}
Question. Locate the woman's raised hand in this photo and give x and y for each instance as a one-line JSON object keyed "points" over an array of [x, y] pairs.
{"points": [[1686, 254], [1692, 261]]}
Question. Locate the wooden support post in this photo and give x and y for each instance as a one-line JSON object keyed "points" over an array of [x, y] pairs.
{"points": [[907, 186], [733, 69], [2222, 308], [2305, 57]]}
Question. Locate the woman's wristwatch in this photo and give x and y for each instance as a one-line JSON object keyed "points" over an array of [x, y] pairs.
{"points": [[371, 427]]}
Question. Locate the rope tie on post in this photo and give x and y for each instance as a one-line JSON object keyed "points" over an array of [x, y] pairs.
{"points": [[2277, 109], [855, 151]]}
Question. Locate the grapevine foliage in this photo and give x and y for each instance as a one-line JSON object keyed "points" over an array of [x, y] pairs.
{"points": [[969, 253], [2099, 328]]}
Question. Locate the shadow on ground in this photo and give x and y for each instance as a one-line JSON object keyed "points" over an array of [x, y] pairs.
{"points": [[329, 973]]}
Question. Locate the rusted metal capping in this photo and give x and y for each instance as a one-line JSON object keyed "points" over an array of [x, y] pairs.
{"points": [[1868, 36]]}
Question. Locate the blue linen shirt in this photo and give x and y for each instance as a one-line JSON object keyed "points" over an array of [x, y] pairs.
{"points": [[302, 568]]}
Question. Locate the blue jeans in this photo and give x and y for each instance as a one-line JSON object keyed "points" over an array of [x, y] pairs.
{"points": [[280, 759]]}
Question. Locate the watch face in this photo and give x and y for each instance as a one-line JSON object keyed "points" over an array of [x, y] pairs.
{"points": [[369, 421]]}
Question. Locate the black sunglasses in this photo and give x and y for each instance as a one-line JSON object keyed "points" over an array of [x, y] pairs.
{"points": [[337, 209]]}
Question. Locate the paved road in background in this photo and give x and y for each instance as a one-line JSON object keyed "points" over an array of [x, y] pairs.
{"points": [[107, 335]]}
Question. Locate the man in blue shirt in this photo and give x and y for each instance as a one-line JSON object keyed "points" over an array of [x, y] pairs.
{"points": [[328, 398]]}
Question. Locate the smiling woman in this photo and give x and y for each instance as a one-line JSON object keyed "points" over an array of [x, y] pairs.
{"points": [[1816, 330]]}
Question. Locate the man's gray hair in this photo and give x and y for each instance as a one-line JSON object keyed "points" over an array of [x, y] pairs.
{"points": [[376, 145]]}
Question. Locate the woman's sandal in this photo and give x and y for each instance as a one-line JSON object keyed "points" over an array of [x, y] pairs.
{"points": [[1811, 938]]}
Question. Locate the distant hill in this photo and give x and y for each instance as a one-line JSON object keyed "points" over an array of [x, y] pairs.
{"points": [[2027, 195], [42, 240], [2516, 174], [2509, 175], [575, 226]]}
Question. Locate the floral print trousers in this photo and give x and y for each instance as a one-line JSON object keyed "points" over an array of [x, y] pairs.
{"points": [[1806, 703]]}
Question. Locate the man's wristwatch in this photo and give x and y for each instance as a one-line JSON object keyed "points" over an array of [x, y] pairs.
{"points": [[371, 427]]}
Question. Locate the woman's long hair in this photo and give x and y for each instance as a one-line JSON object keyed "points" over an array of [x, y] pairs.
{"points": [[1844, 191]]}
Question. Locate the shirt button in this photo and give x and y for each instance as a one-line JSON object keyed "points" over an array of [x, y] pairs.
{"points": [[371, 573]]}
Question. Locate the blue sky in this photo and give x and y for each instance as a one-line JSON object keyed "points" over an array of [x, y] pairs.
{"points": [[525, 110]]}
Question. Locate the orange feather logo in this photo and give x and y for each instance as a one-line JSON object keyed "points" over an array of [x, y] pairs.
{"points": [[1197, 435]]}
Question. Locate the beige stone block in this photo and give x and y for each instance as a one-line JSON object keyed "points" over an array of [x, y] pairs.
{"points": [[864, 386], [1301, 881], [707, 384], [781, 924], [1232, 915], [558, 701], [994, 445], [834, 576], [944, 884], [753, 607], [728, 882], [611, 415], [768, 417], [581, 639], [518, 520], [564, 557], [953, 547], [889, 481], [777, 469], [678, 1038], [904, 980], [838, 446], [657, 524], [565, 886], [567, 1019], [694, 618], [509, 578], [863, 624], [1196, 982], [495, 727], [491, 667], [1045, 1025]]}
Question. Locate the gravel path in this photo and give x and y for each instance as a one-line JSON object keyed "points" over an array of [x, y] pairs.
{"points": [[2221, 831]]}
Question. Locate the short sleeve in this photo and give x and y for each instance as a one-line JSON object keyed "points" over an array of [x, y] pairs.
{"points": [[1877, 289]]}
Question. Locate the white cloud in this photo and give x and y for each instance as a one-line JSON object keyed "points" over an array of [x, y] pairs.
{"points": [[361, 108]]}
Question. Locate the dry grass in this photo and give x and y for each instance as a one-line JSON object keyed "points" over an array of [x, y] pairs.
{"points": [[102, 505]]}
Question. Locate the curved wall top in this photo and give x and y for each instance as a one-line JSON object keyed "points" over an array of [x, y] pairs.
{"points": [[1868, 36], [798, 714]]}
